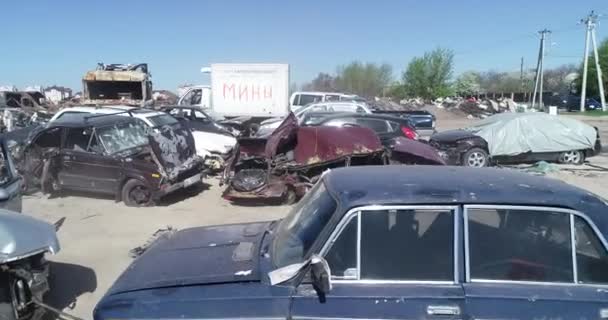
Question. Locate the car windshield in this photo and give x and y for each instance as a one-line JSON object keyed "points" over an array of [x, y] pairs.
{"points": [[162, 120], [123, 136], [298, 231]]}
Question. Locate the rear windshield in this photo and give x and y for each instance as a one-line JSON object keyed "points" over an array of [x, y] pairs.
{"points": [[162, 120]]}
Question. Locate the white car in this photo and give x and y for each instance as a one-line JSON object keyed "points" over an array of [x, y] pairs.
{"points": [[208, 145], [267, 126]]}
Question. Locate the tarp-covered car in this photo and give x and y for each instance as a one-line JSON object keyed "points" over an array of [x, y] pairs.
{"points": [[518, 138], [285, 164], [111, 154]]}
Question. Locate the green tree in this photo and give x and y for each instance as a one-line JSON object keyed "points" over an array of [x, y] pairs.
{"points": [[429, 76], [323, 82], [364, 79], [467, 83], [593, 89]]}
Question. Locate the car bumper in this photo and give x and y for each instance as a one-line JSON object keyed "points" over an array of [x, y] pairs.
{"points": [[168, 188]]}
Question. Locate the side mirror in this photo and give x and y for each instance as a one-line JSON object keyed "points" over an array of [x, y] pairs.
{"points": [[320, 276]]}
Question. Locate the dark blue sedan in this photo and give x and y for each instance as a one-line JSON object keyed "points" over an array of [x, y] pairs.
{"points": [[390, 242]]}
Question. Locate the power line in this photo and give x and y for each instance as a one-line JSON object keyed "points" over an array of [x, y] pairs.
{"points": [[590, 23]]}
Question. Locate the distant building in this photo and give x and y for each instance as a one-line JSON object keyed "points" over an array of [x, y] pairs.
{"points": [[10, 88], [55, 94], [34, 88]]}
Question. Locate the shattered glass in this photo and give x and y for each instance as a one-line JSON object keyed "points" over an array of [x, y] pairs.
{"points": [[123, 136]]}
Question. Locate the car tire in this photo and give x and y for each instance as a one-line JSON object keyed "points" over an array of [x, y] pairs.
{"points": [[136, 194], [476, 158], [572, 157]]}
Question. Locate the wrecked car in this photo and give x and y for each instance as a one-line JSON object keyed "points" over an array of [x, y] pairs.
{"points": [[118, 84], [215, 139], [111, 154], [211, 147], [386, 242], [510, 138], [285, 164], [24, 271]]}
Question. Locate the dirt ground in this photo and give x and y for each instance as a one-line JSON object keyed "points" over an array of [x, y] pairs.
{"points": [[98, 233]]}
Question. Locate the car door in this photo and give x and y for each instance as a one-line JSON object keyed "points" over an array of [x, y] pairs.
{"points": [[10, 182], [533, 263], [85, 166], [396, 262]]}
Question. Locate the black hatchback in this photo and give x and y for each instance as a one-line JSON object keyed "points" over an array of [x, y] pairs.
{"points": [[111, 154]]}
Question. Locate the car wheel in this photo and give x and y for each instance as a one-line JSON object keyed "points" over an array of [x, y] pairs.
{"points": [[572, 157], [475, 158], [136, 194]]}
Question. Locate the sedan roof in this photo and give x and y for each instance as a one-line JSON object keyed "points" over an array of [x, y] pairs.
{"points": [[445, 185]]}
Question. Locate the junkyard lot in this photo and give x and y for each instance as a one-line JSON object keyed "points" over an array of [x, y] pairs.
{"points": [[98, 233]]}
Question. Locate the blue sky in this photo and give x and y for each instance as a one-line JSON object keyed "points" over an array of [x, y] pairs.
{"points": [[55, 42]]}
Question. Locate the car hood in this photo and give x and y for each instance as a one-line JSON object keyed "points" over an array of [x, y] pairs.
{"points": [[174, 149], [452, 135], [213, 142], [204, 255], [22, 236]]}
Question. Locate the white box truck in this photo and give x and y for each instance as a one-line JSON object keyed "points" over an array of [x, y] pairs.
{"points": [[244, 90], [256, 90]]}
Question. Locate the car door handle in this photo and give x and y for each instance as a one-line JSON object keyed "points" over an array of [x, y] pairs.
{"points": [[443, 310]]}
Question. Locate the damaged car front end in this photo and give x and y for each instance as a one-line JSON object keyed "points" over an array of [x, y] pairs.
{"points": [[24, 272], [287, 163], [112, 155]]}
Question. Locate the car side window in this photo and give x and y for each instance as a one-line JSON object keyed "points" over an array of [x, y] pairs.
{"points": [[296, 100], [49, 139], [411, 244], [81, 139], [199, 115], [379, 126], [342, 256], [591, 256], [519, 245], [398, 245], [394, 126]]}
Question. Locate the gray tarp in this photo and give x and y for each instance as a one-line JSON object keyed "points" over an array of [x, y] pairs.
{"points": [[516, 133]]}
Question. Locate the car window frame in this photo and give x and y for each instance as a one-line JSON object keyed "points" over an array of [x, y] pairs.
{"points": [[571, 214], [356, 213]]}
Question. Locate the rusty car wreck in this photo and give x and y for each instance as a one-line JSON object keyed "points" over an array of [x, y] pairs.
{"points": [[284, 165]]}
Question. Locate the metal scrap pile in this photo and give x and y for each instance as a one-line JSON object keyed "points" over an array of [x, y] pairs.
{"points": [[477, 108], [403, 105]]}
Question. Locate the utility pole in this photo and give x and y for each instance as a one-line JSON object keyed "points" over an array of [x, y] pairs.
{"points": [[590, 23], [540, 69]]}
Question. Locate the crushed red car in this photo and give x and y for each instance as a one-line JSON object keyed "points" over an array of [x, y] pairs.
{"points": [[285, 164]]}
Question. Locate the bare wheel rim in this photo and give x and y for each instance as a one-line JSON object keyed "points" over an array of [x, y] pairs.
{"points": [[139, 195], [476, 159], [571, 157]]}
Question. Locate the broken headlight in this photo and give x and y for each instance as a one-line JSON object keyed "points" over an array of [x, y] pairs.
{"points": [[248, 179]]}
